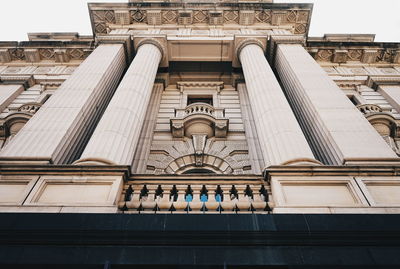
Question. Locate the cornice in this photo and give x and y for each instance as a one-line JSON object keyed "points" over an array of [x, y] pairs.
{"points": [[37, 51], [354, 51]]}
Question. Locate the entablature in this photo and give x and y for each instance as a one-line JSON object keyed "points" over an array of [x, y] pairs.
{"points": [[42, 51], [354, 51], [206, 15]]}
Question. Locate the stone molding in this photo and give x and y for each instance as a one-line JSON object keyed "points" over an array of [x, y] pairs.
{"points": [[26, 81], [38, 51], [375, 82], [367, 53]]}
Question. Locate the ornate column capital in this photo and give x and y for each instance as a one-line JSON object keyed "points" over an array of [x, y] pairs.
{"points": [[275, 40], [243, 41], [159, 41]]}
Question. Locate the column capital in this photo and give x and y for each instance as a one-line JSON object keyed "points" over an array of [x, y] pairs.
{"points": [[118, 39], [243, 41], [275, 40], [159, 41]]}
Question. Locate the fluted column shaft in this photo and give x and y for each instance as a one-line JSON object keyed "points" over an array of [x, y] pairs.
{"points": [[339, 132], [57, 132], [280, 136], [116, 136]]}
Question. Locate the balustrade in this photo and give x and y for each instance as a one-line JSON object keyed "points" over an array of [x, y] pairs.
{"points": [[194, 198]]}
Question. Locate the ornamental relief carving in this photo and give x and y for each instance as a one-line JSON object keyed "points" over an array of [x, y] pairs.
{"points": [[138, 15], [169, 17], [200, 16], [300, 28], [386, 55], [364, 55], [231, 16], [324, 55], [100, 28], [302, 16], [46, 54], [355, 54], [104, 16], [291, 16], [168, 157], [263, 16], [17, 54]]}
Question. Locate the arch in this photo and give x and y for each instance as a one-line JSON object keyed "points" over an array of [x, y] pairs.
{"points": [[186, 163]]}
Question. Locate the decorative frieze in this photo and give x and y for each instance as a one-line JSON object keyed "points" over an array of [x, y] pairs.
{"points": [[5, 56], [186, 17], [200, 16], [32, 55], [122, 17], [216, 17], [169, 16], [369, 56], [340, 56], [278, 17], [246, 17], [154, 17], [61, 56], [263, 16], [231, 16]]}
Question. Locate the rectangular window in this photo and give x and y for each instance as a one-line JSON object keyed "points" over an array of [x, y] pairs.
{"points": [[207, 99]]}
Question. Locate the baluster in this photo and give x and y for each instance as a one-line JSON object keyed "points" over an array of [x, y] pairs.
{"points": [[164, 201], [149, 201], [259, 203], [212, 205], [181, 204], [227, 204], [243, 203], [196, 204], [135, 202]]}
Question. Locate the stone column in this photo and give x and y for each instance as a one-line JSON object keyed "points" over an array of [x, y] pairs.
{"points": [[280, 136], [58, 130], [339, 132], [116, 136]]}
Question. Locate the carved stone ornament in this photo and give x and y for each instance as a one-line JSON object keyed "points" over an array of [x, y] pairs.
{"points": [[199, 118]]}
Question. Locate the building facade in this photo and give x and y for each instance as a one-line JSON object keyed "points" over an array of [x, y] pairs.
{"points": [[200, 112]]}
